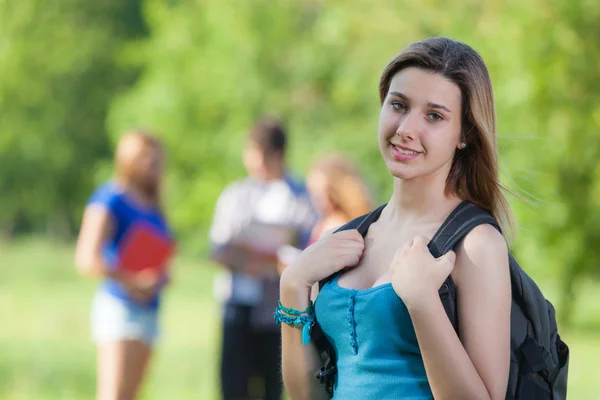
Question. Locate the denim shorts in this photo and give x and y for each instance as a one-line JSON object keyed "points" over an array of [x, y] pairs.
{"points": [[114, 319]]}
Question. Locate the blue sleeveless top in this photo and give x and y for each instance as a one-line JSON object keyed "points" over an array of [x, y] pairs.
{"points": [[125, 212], [378, 356]]}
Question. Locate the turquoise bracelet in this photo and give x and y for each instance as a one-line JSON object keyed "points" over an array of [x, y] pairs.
{"points": [[294, 317], [292, 311]]}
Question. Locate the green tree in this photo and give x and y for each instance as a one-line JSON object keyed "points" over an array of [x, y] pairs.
{"points": [[59, 70], [566, 102], [210, 68]]}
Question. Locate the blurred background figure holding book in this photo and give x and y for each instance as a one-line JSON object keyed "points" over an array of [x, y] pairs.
{"points": [[338, 193], [125, 241], [254, 217]]}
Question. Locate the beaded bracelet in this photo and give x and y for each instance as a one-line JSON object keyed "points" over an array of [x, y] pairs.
{"points": [[295, 317], [292, 311]]}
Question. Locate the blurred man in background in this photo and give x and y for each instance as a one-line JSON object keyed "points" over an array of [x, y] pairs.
{"points": [[254, 217]]}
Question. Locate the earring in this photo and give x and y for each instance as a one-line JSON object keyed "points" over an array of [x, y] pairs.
{"points": [[463, 145]]}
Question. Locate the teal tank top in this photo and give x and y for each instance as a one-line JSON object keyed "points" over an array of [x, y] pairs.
{"points": [[378, 356]]}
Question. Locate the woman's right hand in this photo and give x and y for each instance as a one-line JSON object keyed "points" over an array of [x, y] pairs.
{"points": [[143, 285], [325, 257]]}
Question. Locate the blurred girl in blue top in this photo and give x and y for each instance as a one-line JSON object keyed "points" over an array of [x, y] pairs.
{"points": [[382, 312], [125, 307]]}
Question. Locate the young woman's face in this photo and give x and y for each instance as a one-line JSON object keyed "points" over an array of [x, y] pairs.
{"points": [[420, 124]]}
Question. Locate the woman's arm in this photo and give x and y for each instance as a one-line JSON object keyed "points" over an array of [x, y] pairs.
{"points": [[478, 367], [299, 363], [327, 256], [95, 229]]}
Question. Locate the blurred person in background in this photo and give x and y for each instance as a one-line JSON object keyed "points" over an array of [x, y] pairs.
{"points": [[253, 218], [338, 193], [125, 308]]}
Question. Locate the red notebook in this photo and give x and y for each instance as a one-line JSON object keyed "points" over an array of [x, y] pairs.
{"points": [[144, 248]]}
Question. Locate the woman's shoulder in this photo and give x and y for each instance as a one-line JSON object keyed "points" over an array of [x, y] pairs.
{"points": [[484, 238], [106, 194], [484, 246]]}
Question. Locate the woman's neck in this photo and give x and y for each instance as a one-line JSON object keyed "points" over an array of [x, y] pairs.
{"points": [[419, 200], [139, 195]]}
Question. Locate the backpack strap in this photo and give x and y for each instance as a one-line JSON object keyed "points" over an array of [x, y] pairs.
{"points": [[361, 224], [457, 225], [326, 375]]}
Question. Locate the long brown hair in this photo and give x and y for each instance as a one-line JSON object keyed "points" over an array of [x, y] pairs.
{"points": [[474, 175], [132, 147], [344, 186]]}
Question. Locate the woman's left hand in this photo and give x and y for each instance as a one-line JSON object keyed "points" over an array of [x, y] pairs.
{"points": [[416, 275]]}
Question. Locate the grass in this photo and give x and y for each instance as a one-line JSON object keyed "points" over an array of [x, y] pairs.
{"points": [[45, 350], [46, 353]]}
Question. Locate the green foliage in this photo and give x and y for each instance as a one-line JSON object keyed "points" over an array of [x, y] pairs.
{"points": [[58, 73], [209, 68]]}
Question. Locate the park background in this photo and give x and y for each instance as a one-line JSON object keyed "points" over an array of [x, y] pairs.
{"points": [[75, 74]]}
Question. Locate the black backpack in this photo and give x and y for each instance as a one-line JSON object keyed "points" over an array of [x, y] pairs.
{"points": [[539, 358]]}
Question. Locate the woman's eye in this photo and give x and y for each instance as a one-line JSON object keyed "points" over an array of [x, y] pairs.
{"points": [[435, 117], [398, 105]]}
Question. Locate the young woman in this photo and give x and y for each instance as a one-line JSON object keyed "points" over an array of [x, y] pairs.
{"points": [[125, 308], [382, 313], [338, 193]]}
